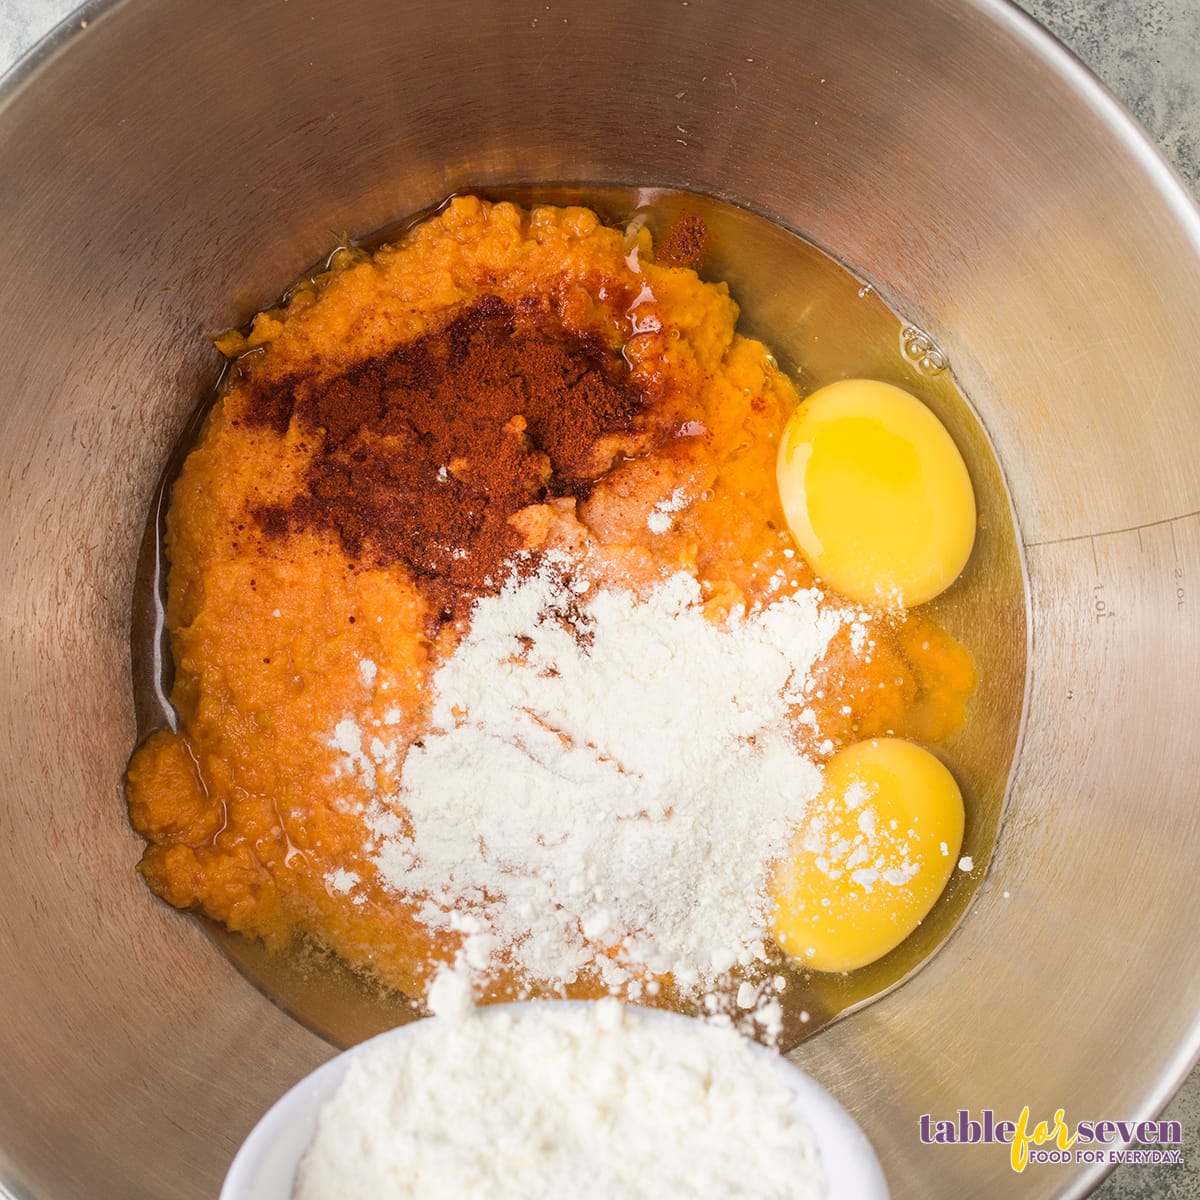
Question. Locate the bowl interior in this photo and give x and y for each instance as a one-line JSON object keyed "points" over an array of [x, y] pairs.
{"points": [[823, 324]]}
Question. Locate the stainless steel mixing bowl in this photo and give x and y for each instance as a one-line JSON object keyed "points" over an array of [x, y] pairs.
{"points": [[167, 168]]}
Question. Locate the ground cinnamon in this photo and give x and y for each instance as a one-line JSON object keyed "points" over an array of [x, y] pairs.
{"points": [[426, 452]]}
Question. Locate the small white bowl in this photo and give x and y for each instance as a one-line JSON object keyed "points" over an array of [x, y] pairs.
{"points": [[265, 1166]]}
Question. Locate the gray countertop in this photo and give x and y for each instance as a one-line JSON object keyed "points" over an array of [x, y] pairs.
{"points": [[1148, 52]]}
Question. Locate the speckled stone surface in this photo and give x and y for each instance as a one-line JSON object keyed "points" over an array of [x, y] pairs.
{"points": [[1148, 52]]}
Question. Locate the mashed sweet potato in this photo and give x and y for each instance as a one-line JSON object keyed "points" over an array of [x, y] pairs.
{"points": [[380, 451]]}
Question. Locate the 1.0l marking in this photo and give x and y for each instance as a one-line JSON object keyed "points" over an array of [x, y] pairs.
{"points": [[1100, 605]]}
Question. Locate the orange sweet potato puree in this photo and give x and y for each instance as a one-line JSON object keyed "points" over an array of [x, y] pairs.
{"points": [[246, 812]]}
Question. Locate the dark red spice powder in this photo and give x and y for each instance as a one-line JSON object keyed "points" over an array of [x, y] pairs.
{"points": [[686, 242], [425, 453]]}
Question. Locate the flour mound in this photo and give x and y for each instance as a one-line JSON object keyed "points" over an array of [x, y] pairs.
{"points": [[607, 779], [586, 1101]]}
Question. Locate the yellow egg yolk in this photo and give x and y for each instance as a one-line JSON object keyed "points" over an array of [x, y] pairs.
{"points": [[876, 493], [874, 854]]}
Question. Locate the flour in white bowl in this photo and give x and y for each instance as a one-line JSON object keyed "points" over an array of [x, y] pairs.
{"points": [[590, 1102]]}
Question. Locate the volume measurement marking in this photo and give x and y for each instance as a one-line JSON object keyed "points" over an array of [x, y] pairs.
{"points": [[1179, 593]]}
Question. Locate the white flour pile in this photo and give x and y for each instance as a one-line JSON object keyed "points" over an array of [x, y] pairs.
{"points": [[606, 781], [587, 1101]]}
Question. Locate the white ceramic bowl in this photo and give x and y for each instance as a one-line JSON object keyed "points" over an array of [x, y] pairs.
{"points": [[265, 1166]]}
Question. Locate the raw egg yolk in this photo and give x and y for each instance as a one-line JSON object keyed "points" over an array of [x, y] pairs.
{"points": [[875, 852], [876, 493]]}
